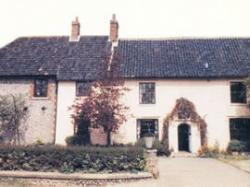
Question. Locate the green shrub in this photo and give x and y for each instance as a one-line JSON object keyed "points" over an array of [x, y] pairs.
{"points": [[77, 140], [248, 146], [72, 159], [162, 149], [237, 146], [140, 143]]}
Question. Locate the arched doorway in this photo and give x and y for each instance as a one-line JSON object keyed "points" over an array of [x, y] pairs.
{"points": [[174, 130], [184, 137]]}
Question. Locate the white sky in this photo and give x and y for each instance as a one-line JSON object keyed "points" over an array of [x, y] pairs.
{"points": [[137, 18]]}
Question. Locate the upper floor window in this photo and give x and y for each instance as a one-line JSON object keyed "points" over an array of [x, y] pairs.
{"points": [[41, 88], [238, 92], [147, 93], [82, 88]]}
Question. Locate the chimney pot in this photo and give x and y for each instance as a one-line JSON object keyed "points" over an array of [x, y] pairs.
{"points": [[75, 30], [114, 26]]}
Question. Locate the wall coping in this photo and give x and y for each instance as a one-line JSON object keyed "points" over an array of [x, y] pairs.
{"points": [[75, 176]]}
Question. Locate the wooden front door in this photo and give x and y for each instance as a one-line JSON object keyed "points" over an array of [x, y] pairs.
{"points": [[82, 130], [183, 137]]}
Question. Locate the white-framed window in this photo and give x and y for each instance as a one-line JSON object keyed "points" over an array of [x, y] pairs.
{"points": [[240, 129], [147, 127], [238, 92], [40, 88], [147, 92]]}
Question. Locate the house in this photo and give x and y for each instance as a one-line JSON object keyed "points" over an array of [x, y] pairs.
{"points": [[192, 88]]}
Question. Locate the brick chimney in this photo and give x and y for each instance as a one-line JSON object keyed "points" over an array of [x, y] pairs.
{"points": [[75, 30], [114, 26]]}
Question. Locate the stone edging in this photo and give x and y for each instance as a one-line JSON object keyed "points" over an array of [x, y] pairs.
{"points": [[75, 176]]}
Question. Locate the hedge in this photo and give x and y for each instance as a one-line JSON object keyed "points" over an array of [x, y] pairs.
{"points": [[72, 159], [77, 140], [238, 146]]}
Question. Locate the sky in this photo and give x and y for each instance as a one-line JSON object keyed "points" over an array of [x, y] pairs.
{"points": [[137, 18]]}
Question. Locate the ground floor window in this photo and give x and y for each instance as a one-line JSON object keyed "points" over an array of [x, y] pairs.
{"points": [[146, 127], [240, 129]]}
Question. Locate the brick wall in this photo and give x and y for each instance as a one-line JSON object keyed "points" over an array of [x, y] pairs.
{"points": [[98, 136], [40, 124]]}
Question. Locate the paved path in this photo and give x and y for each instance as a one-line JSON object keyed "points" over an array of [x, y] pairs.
{"points": [[195, 172]]}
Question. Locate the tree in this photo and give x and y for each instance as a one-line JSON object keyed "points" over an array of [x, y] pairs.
{"points": [[102, 105], [12, 113]]}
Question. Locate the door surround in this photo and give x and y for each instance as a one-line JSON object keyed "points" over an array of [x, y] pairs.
{"points": [[194, 138]]}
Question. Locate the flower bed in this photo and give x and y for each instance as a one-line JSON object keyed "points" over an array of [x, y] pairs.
{"points": [[72, 159]]}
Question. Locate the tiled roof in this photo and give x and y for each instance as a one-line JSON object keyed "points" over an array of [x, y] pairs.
{"points": [[185, 58], [172, 58], [54, 56]]}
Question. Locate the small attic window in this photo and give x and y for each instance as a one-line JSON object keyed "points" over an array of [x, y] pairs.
{"points": [[41, 88]]}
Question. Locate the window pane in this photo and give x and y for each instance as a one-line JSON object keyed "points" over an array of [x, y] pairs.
{"points": [[147, 126], [147, 93], [240, 129], [41, 88], [82, 88], [238, 92]]}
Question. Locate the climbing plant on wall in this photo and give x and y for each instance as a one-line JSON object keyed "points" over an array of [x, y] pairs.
{"points": [[13, 115], [184, 110]]}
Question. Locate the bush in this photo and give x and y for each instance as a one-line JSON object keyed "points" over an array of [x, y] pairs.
{"points": [[77, 140], [72, 159], [237, 146], [248, 146], [162, 150], [140, 143], [209, 152]]}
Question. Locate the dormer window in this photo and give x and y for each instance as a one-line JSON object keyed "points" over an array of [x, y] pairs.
{"points": [[40, 88]]}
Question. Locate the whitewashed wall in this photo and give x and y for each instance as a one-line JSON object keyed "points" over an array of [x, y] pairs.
{"points": [[211, 98], [64, 122]]}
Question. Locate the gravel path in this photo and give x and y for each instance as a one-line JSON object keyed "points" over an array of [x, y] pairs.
{"points": [[195, 172]]}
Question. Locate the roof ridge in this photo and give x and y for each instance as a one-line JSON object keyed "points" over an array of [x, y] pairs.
{"points": [[185, 38]]}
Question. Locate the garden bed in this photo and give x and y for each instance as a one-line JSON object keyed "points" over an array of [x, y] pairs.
{"points": [[72, 159]]}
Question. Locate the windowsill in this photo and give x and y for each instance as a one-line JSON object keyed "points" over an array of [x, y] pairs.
{"points": [[40, 98], [239, 104], [147, 104]]}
